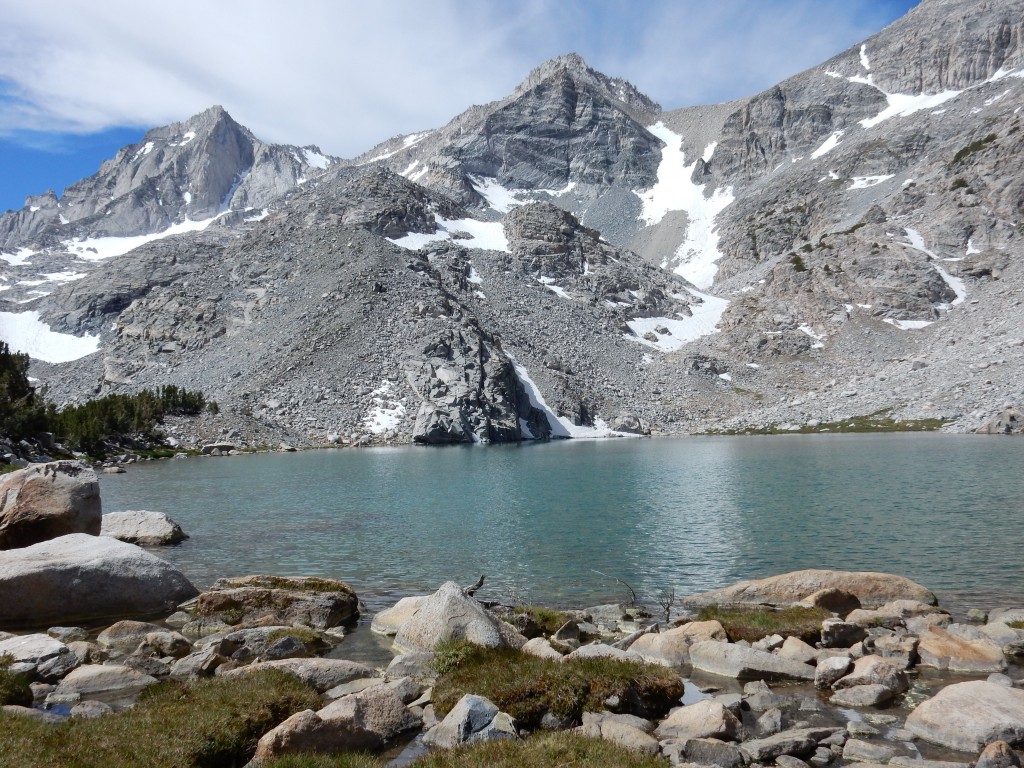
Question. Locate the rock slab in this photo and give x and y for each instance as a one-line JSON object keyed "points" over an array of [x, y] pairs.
{"points": [[142, 527], [967, 716]]}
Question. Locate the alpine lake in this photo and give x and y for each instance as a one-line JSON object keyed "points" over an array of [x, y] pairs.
{"points": [[583, 522]]}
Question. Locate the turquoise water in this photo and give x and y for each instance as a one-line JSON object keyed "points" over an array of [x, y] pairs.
{"points": [[567, 523]]}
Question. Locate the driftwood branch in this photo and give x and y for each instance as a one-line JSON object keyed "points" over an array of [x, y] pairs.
{"points": [[472, 588], [620, 581]]}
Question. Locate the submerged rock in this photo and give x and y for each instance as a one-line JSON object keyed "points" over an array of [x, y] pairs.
{"points": [[142, 527]]}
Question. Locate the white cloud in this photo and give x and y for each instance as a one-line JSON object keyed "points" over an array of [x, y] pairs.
{"points": [[348, 74]]}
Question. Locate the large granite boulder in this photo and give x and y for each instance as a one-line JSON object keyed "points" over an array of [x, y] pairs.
{"points": [[82, 578], [310, 601], [672, 647], [142, 527], [450, 614], [44, 501], [743, 663], [960, 648], [472, 719], [967, 716], [390, 620], [870, 588]]}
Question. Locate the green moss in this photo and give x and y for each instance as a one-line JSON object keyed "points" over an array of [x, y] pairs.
{"points": [[298, 583], [545, 750], [307, 636], [797, 262], [526, 687], [214, 722], [755, 622], [1016, 625]]}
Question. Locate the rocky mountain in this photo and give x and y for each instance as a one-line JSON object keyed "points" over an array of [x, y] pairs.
{"points": [[570, 260]]}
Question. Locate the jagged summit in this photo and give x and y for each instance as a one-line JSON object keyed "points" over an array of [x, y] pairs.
{"points": [[574, 65]]}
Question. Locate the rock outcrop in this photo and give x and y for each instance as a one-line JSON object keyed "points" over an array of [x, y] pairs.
{"points": [[142, 527]]}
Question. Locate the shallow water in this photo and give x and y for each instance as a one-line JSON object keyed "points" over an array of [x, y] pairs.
{"points": [[574, 522]]}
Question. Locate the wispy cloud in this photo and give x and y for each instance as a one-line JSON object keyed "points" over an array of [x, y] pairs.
{"points": [[345, 75]]}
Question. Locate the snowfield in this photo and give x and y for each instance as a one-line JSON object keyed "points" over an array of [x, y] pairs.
{"points": [[25, 332]]}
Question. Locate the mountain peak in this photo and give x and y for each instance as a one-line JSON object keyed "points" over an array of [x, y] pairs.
{"points": [[577, 68]]}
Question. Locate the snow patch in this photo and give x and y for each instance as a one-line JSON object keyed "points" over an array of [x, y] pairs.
{"points": [[387, 412], [474, 277], [909, 325], [33, 208], [316, 160], [486, 235], [864, 61], [675, 191], [187, 197], [145, 150], [99, 248], [19, 258], [682, 329], [828, 145], [971, 250], [189, 135], [25, 332], [560, 426], [409, 141], [864, 182], [502, 199], [549, 283], [958, 286], [259, 216]]}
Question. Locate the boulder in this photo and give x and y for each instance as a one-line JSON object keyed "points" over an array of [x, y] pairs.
{"points": [[368, 720], [700, 720], [81, 578], [625, 730], [125, 636], [797, 742], [796, 649], [858, 751], [871, 589], [672, 647], [449, 614], [309, 601], [473, 718], [271, 643], [874, 670], [388, 621], [967, 716], [319, 674], [542, 648], [829, 670], [960, 648], [100, 681], [729, 660], [142, 527], [868, 695], [998, 755], [704, 752], [45, 501], [603, 651]]}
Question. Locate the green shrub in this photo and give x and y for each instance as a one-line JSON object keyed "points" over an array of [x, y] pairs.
{"points": [[214, 722], [526, 687], [974, 146], [958, 183], [754, 622], [797, 262], [545, 750]]}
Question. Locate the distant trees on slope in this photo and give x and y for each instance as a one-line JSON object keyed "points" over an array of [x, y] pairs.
{"points": [[86, 427]]}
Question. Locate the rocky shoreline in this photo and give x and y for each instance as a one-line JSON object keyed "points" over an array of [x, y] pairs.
{"points": [[811, 668]]}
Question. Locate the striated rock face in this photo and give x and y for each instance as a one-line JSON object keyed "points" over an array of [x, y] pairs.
{"points": [[469, 393], [45, 501], [81, 578]]}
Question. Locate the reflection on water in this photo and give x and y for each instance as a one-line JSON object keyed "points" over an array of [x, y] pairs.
{"points": [[562, 522]]}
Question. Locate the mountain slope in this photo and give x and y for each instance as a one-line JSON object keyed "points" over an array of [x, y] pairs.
{"points": [[571, 260]]}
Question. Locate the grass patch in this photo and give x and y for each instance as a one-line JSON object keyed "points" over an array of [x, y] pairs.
{"points": [[302, 634], [299, 583], [527, 687], [1016, 625], [211, 723], [548, 620], [565, 750], [14, 688], [753, 623]]}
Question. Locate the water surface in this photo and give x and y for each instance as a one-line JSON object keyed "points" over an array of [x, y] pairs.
{"points": [[571, 522]]}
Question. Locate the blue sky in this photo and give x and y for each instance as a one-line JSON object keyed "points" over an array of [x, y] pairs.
{"points": [[80, 80]]}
